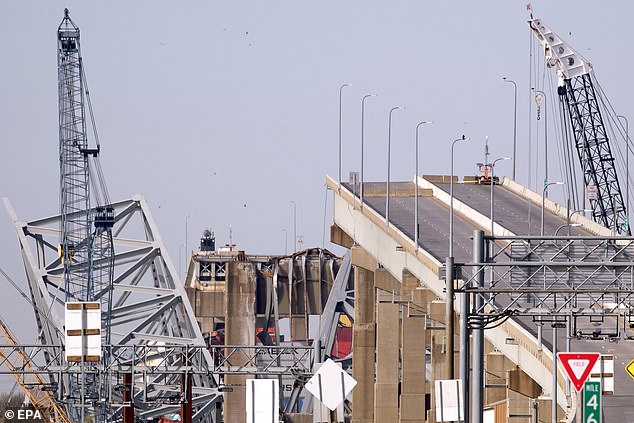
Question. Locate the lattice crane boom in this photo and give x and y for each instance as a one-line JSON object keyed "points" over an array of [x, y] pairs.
{"points": [[31, 383], [86, 243], [580, 103]]}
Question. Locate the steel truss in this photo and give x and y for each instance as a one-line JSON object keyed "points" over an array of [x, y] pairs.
{"points": [[147, 363], [149, 309], [551, 277]]}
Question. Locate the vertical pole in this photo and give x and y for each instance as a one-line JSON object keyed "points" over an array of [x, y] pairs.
{"points": [[449, 312], [365, 97], [339, 170], [478, 333], [464, 352], [416, 194], [128, 407], [627, 177], [514, 127], [186, 405], [545, 141], [554, 395], [492, 183]]}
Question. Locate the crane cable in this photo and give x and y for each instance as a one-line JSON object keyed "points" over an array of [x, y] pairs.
{"points": [[101, 188]]}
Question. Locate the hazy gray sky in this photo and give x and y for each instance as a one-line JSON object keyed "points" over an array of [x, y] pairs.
{"points": [[229, 110]]}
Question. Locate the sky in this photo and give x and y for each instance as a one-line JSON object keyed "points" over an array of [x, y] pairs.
{"points": [[228, 111]]}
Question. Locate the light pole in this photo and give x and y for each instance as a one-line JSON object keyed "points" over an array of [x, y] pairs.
{"points": [[543, 197], [362, 134], [294, 226], [493, 183], [416, 187], [627, 173], [451, 197], [285, 241], [389, 142], [554, 326], [449, 288], [340, 91], [180, 256], [568, 225], [514, 122], [538, 100], [186, 237]]}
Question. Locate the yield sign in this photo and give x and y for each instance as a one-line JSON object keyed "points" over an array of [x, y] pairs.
{"points": [[578, 366]]}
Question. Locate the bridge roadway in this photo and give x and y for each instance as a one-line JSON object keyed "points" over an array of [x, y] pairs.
{"points": [[515, 214]]}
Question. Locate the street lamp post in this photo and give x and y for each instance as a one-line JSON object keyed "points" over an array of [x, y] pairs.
{"points": [[389, 144], [416, 234], [493, 183], [294, 226], [554, 326], [362, 136], [543, 197], [568, 225], [514, 122], [285, 241], [180, 256], [451, 197], [627, 173], [449, 303], [340, 92], [186, 237]]}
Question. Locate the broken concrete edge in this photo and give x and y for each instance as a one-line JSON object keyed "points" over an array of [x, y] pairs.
{"points": [[465, 211], [405, 242]]}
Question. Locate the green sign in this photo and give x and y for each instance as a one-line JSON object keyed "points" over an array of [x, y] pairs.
{"points": [[592, 402]]}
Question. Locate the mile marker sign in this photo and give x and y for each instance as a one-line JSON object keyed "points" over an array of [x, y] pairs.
{"points": [[578, 366]]}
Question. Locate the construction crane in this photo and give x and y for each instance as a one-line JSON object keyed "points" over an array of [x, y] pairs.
{"points": [[579, 101], [86, 246], [17, 361]]}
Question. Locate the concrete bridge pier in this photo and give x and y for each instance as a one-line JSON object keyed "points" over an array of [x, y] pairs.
{"points": [[240, 321]]}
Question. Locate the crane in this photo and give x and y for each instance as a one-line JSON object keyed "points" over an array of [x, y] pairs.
{"points": [[579, 100], [18, 362], [86, 245]]}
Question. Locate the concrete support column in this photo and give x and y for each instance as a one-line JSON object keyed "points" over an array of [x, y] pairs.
{"points": [[387, 361], [363, 343], [413, 371], [438, 350], [239, 330], [497, 365]]}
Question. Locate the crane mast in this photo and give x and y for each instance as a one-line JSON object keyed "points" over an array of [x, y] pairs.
{"points": [[76, 216], [86, 247], [580, 103], [86, 244]]}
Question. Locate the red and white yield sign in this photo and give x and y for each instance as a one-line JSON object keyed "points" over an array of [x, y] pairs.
{"points": [[578, 366]]}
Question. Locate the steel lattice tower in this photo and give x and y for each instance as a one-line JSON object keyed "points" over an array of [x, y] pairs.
{"points": [[75, 246]]}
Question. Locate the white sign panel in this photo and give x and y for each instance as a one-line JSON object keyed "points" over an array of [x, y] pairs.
{"points": [[449, 406], [263, 397], [330, 384], [603, 371], [82, 325], [592, 192]]}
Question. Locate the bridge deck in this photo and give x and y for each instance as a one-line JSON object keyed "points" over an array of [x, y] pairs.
{"points": [[513, 212]]}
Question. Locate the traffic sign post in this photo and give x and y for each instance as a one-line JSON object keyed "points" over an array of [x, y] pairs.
{"points": [[592, 402], [578, 366]]}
